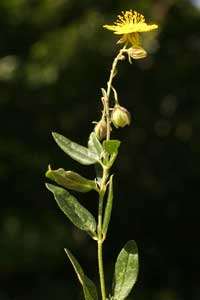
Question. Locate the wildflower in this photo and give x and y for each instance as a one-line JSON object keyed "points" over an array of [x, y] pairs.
{"points": [[120, 116], [129, 25], [129, 22]]}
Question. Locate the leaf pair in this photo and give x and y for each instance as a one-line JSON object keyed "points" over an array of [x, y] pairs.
{"points": [[91, 155], [78, 214], [126, 271]]}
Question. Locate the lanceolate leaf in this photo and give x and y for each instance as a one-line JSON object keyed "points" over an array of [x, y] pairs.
{"points": [[77, 214], [89, 288], [79, 153], [71, 180], [94, 145], [108, 208], [126, 271]]}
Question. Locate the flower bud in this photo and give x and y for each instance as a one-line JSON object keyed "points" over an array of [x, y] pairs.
{"points": [[120, 116], [137, 52], [101, 129]]}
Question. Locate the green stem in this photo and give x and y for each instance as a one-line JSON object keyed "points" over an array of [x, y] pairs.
{"points": [[100, 254], [102, 192], [101, 270], [100, 235], [109, 87]]}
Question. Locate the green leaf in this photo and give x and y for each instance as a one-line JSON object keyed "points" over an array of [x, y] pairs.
{"points": [[108, 208], [79, 153], [77, 214], [71, 180], [94, 145], [89, 288], [111, 146], [126, 271]]}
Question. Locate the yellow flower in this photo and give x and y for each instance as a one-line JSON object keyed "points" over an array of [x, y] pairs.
{"points": [[128, 25], [129, 22]]}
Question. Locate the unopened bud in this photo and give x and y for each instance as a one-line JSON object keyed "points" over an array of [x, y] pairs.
{"points": [[101, 129], [120, 116], [137, 52]]}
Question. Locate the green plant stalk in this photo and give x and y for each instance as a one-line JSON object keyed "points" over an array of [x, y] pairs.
{"points": [[109, 87], [100, 239], [100, 236], [101, 150], [100, 254]]}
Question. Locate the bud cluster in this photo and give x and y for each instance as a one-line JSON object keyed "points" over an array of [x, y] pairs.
{"points": [[120, 117]]}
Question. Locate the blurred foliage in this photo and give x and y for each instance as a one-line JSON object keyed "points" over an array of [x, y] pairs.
{"points": [[54, 57]]}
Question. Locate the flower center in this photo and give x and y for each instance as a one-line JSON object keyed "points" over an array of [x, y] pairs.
{"points": [[129, 17]]}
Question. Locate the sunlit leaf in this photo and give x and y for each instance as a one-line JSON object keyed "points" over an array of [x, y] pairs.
{"points": [[94, 145], [71, 180], [77, 213], [126, 271], [111, 146], [79, 153]]}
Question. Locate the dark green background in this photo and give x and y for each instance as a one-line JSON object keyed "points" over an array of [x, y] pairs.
{"points": [[54, 58]]}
